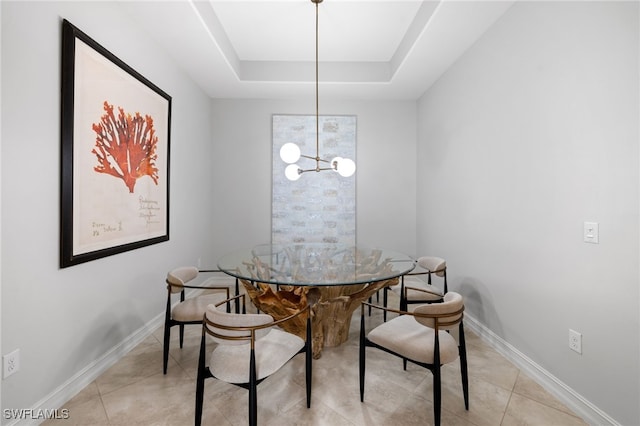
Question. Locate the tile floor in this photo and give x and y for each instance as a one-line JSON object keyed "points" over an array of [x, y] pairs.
{"points": [[135, 392]]}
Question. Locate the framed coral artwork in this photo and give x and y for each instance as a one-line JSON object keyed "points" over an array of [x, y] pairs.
{"points": [[115, 134]]}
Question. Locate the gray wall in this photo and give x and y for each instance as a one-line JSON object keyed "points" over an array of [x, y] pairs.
{"points": [[531, 133], [64, 320], [385, 178]]}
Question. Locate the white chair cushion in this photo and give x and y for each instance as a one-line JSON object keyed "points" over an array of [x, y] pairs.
{"points": [[230, 363], [193, 308], [405, 336]]}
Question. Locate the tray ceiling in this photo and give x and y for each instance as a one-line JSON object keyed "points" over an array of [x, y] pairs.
{"points": [[373, 49]]}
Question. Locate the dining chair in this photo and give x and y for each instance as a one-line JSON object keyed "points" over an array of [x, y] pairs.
{"points": [[250, 348], [418, 287], [421, 337], [190, 310]]}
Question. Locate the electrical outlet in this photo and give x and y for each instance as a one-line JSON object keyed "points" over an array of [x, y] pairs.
{"points": [[11, 363], [575, 341]]}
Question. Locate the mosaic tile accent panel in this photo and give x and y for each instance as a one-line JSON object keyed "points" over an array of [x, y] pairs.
{"points": [[320, 207]]}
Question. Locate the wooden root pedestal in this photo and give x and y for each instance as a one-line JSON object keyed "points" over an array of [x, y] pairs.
{"points": [[331, 312]]}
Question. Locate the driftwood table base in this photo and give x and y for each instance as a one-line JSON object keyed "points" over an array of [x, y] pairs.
{"points": [[332, 308]]}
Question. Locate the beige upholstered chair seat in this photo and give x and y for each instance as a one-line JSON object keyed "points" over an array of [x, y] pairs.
{"points": [[405, 336], [192, 309], [249, 348], [229, 362], [412, 337]]}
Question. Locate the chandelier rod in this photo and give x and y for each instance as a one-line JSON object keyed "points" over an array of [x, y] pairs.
{"points": [[290, 152], [317, 2]]}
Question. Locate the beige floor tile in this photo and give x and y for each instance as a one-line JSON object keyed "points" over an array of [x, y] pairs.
{"points": [[486, 364], [524, 411], [419, 411], [318, 414], [89, 392], [143, 361], [155, 400], [526, 387], [81, 413]]}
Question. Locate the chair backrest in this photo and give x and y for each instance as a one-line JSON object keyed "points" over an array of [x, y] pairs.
{"points": [[234, 329], [433, 264], [441, 316], [178, 277]]}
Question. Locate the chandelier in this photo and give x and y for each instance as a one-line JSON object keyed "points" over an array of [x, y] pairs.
{"points": [[290, 152]]}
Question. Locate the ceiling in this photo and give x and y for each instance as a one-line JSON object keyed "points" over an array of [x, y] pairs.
{"points": [[367, 50]]}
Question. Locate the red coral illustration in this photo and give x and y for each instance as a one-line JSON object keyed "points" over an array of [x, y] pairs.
{"points": [[126, 146]]}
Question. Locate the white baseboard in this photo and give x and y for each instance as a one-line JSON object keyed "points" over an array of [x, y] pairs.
{"points": [[573, 400], [91, 372]]}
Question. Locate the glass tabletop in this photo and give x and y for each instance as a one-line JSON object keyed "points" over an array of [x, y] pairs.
{"points": [[315, 264]]}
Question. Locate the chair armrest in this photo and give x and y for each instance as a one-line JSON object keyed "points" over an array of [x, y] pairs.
{"points": [[200, 287], [271, 324], [382, 308], [285, 319], [232, 299], [414, 314], [210, 287], [423, 290], [251, 329], [419, 273], [206, 287]]}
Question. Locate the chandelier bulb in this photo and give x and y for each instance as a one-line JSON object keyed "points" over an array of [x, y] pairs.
{"points": [[290, 153], [345, 167], [293, 172]]}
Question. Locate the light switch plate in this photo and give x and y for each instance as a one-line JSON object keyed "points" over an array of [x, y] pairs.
{"points": [[591, 232]]}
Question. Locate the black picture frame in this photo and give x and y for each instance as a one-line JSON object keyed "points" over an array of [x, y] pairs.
{"points": [[115, 149]]}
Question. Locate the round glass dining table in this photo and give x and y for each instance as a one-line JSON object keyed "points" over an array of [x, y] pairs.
{"points": [[334, 279]]}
